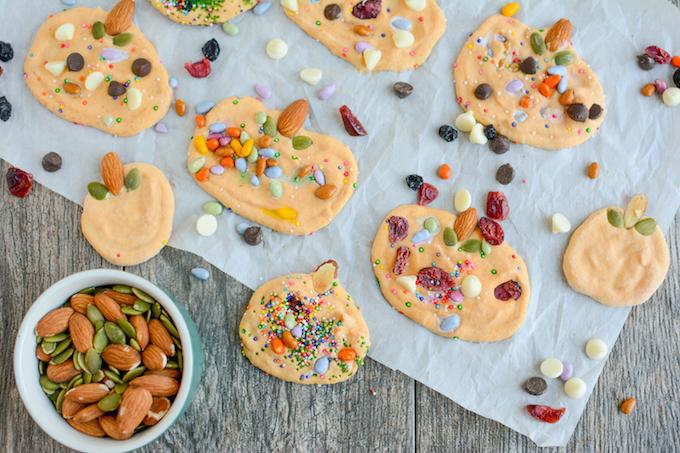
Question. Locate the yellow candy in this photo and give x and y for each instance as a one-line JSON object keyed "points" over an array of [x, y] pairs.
{"points": [[284, 213], [247, 148], [200, 144], [236, 146], [510, 9]]}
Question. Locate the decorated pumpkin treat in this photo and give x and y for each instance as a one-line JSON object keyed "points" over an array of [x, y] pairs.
{"points": [[373, 35], [202, 12], [454, 275], [617, 257], [264, 166], [305, 328], [127, 218], [529, 84], [96, 68]]}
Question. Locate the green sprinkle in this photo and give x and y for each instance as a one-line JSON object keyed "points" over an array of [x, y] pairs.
{"points": [[377, 261], [155, 107], [408, 304], [459, 306], [57, 90], [119, 120], [494, 271], [421, 249], [235, 102]]}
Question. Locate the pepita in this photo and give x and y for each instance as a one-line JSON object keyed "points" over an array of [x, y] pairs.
{"points": [[177, 342], [128, 310], [53, 397], [98, 30], [133, 179], [120, 388], [135, 345], [113, 376], [114, 333], [48, 391], [58, 338], [471, 246], [301, 142], [172, 365], [122, 39], [45, 383], [141, 306], [81, 361], [635, 210], [450, 237], [110, 402], [169, 325], [537, 43], [269, 126], [76, 364], [564, 58], [63, 357], [125, 325], [97, 190], [61, 347], [142, 295], [100, 340], [135, 372], [156, 310], [114, 370], [87, 378], [180, 360], [89, 290], [60, 400], [646, 227], [75, 382], [98, 376], [615, 218], [95, 316], [48, 348], [123, 289], [41, 367], [93, 361], [38, 339], [486, 247]]}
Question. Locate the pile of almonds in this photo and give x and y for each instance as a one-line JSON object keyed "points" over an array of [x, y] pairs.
{"points": [[110, 360]]}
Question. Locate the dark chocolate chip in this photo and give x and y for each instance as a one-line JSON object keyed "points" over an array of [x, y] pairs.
{"points": [[253, 235], [5, 109], [141, 67], [414, 181], [676, 78], [483, 91], [6, 51], [490, 132], [535, 386], [528, 66], [332, 11], [448, 133], [645, 62], [116, 89], [402, 89], [505, 174], [51, 162], [211, 49], [595, 111], [500, 144], [75, 62], [578, 112]]}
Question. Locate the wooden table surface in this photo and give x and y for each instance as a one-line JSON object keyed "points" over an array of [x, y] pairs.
{"points": [[239, 408]]}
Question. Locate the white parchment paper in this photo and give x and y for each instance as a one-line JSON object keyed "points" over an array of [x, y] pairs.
{"points": [[637, 149]]}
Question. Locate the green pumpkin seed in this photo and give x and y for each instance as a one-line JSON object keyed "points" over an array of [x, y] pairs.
{"points": [[100, 340], [38, 339], [471, 246], [46, 383], [170, 326], [113, 376], [41, 367], [177, 342], [142, 295], [301, 142], [128, 310], [123, 289], [269, 126], [564, 58], [53, 397], [537, 43], [180, 360], [133, 179], [486, 247], [196, 164], [48, 348], [431, 224], [122, 39], [148, 315], [172, 365], [120, 388], [93, 361], [156, 310], [135, 345], [450, 237], [76, 361], [141, 306], [140, 428], [253, 156], [646, 227], [260, 118], [58, 338], [95, 316], [110, 402], [63, 357], [75, 382], [97, 190], [135, 372], [114, 369], [114, 333], [60, 400], [61, 347], [98, 376], [98, 30], [81, 361], [87, 378], [124, 324], [213, 208], [48, 391], [615, 218], [89, 290]]}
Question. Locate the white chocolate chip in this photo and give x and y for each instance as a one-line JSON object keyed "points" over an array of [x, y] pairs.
{"points": [[407, 282], [671, 96], [477, 135], [416, 5], [465, 121], [371, 58], [560, 224], [462, 200], [290, 5], [206, 225], [311, 76], [56, 68], [552, 368], [471, 286], [575, 388], [596, 348], [65, 32], [93, 80], [403, 38], [134, 97], [276, 49]]}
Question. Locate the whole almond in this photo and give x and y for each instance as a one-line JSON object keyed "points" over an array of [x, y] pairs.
{"points": [[325, 192], [121, 356], [88, 413], [82, 332], [109, 308], [40, 354], [69, 408], [113, 173], [120, 17], [87, 393], [110, 426], [91, 428], [62, 372], [154, 358], [79, 302], [292, 118], [54, 322], [157, 384], [168, 372], [141, 330], [465, 223], [159, 336], [158, 409], [123, 299], [133, 409], [559, 34]]}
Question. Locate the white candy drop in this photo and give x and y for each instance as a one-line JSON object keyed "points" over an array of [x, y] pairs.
{"points": [[575, 388], [560, 224], [93, 80], [65, 32], [206, 225], [596, 348], [471, 286], [671, 96], [56, 68], [416, 5], [276, 49], [552, 367], [462, 200], [134, 97], [403, 38], [477, 135], [290, 5], [407, 282], [371, 58], [311, 76], [465, 121]]}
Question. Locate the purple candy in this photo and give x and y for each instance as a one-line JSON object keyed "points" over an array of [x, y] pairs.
{"points": [[457, 296], [660, 86], [114, 55], [224, 141], [263, 91], [326, 92], [296, 331], [361, 46], [319, 177], [514, 86], [161, 128], [214, 136], [567, 370]]}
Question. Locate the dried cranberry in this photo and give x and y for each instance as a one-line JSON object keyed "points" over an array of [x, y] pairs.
{"points": [[19, 182], [545, 413], [492, 231], [397, 228], [367, 9], [400, 262], [658, 54], [497, 206], [352, 125], [294, 303], [200, 69], [435, 279], [427, 193], [508, 290]]}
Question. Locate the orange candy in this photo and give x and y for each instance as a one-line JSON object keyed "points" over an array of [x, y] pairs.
{"points": [[260, 166], [675, 61], [180, 107], [289, 340], [277, 346], [444, 171], [553, 80], [202, 174], [525, 102], [234, 132], [200, 120], [213, 144], [347, 355], [545, 90], [227, 162]]}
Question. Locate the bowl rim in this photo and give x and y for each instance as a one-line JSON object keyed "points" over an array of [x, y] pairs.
{"points": [[53, 297]]}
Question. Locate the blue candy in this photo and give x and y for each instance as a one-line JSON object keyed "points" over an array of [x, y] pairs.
{"points": [[217, 128], [262, 7], [200, 273], [241, 165], [401, 23], [204, 107], [559, 70], [266, 152], [273, 172], [450, 324], [421, 236], [321, 365], [254, 180]]}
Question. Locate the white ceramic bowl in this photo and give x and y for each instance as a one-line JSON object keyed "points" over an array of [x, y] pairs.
{"points": [[26, 364]]}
